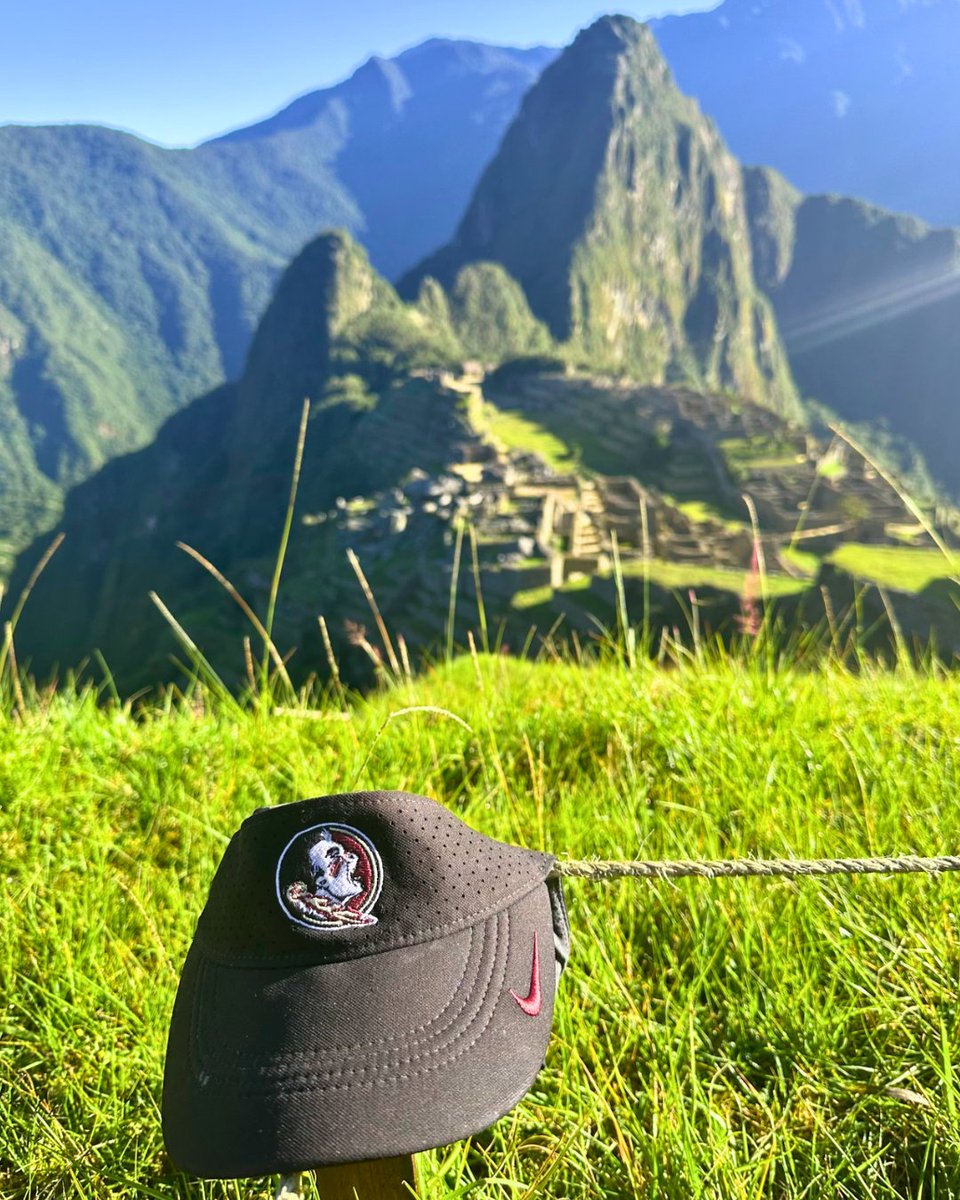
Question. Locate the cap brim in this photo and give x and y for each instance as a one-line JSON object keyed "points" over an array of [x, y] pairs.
{"points": [[278, 1070]]}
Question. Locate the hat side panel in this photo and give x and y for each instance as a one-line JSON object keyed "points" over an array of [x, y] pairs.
{"points": [[321, 1017]]}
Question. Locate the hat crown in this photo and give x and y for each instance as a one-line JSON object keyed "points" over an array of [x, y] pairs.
{"points": [[338, 877]]}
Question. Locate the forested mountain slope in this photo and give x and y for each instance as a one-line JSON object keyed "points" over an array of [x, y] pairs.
{"points": [[133, 276]]}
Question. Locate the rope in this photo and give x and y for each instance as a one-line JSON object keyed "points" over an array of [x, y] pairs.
{"points": [[904, 864]]}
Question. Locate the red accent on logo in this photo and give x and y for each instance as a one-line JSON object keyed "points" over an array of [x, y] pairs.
{"points": [[533, 1001]]}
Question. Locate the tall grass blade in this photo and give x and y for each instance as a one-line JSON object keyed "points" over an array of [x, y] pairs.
{"points": [[454, 580], [108, 679], [244, 607], [623, 620], [481, 610], [758, 547], [647, 556], [404, 712], [284, 539], [377, 616], [332, 662], [908, 502], [35, 574], [200, 663], [14, 671], [903, 657]]}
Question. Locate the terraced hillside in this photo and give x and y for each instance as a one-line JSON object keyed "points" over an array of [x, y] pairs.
{"points": [[507, 505]]}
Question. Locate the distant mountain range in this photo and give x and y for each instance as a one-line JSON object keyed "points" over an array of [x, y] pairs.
{"points": [[612, 232], [856, 97], [133, 277]]}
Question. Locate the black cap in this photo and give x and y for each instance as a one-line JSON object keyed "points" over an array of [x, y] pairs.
{"points": [[370, 977]]}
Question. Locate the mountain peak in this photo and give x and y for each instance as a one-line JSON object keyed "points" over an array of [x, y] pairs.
{"points": [[616, 206], [384, 78], [616, 27], [327, 285], [619, 35]]}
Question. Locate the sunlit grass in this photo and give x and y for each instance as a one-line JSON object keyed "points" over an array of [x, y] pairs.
{"points": [[909, 568], [532, 597], [680, 575], [515, 432], [801, 560], [701, 511], [735, 1038], [760, 453]]}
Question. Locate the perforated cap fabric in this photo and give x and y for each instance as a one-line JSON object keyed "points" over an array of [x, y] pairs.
{"points": [[369, 977]]}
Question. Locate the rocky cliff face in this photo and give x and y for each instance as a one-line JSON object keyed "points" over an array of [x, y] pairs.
{"points": [[616, 206]]}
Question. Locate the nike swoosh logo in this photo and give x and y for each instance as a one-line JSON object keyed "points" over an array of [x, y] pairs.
{"points": [[532, 1002]]}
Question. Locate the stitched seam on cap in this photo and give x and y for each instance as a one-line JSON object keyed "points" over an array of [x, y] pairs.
{"points": [[320, 1081], [403, 1040], [389, 1060], [414, 939]]}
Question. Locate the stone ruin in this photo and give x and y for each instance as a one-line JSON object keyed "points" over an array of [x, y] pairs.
{"points": [[557, 525]]}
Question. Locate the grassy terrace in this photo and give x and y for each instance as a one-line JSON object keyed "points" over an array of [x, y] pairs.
{"points": [[760, 453], [678, 575], [673, 577], [908, 568], [732, 1039], [516, 432]]}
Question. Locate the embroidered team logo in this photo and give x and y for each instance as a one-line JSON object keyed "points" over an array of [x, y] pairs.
{"points": [[329, 877]]}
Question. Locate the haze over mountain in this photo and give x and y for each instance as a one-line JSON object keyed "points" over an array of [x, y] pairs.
{"points": [[641, 242], [868, 304], [133, 276], [859, 97], [408, 137]]}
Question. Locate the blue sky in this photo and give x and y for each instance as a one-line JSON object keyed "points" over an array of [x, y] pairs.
{"points": [[184, 70]]}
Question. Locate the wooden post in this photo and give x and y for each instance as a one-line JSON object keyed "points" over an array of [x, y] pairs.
{"points": [[382, 1179]]}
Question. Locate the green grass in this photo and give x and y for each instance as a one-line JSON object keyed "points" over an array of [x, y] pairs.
{"points": [[516, 432], [832, 470], [759, 453], [578, 582], [532, 597], [701, 511], [801, 560], [731, 1039], [906, 532], [907, 568], [673, 575]]}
